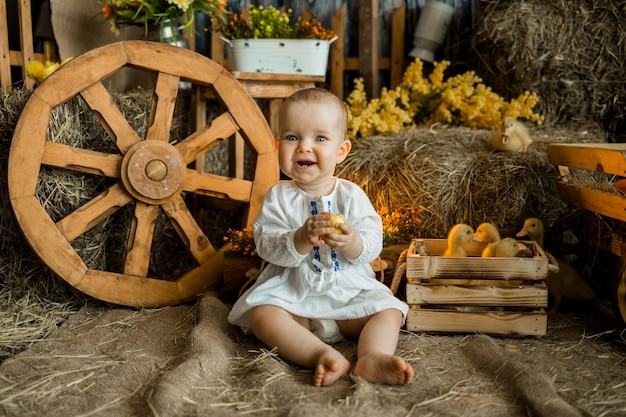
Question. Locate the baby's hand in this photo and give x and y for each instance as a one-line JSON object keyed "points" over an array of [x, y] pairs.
{"points": [[315, 227], [323, 229], [343, 238]]}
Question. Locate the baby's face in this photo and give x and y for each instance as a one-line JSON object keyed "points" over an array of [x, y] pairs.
{"points": [[311, 142]]}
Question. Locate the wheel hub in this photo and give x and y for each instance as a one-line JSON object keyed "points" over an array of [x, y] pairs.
{"points": [[153, 171]]}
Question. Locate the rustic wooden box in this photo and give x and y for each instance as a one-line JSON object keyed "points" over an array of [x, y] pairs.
{"points": [[500, 296]]}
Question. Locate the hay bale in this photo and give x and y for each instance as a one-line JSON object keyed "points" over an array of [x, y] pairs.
{"points": [[572, 53], [454, 176]]}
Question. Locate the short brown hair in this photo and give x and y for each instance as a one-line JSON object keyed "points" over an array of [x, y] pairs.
{"points": [[320, 95]]}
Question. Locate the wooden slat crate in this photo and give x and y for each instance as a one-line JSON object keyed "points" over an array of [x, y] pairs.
{"points": [[500, 296]]}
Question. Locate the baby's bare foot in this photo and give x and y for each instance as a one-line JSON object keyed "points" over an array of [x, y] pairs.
{"points": [[383, 369], [331, 365]]}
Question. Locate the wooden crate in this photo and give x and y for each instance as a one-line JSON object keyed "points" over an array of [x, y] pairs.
{"points": [[500, 296]]}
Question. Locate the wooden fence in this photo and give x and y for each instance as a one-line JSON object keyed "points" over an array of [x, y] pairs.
{"points": [[19, 57]]}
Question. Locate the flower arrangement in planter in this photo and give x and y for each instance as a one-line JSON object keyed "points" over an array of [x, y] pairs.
{"points": [[461, 100], [172, 14], [267, 41], [271, 23]]}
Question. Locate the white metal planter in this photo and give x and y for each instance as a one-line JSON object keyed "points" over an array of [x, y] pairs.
{"points": [[280, 56]]}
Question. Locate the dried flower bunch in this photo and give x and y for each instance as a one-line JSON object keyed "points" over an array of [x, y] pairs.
{"points": [[399, 226], [181, 13], [271, 23], [241, 241], [459, 100]]}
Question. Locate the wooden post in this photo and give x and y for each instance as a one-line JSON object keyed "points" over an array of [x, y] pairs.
{"points": [[217, 48], [337, 53], [5, 60], [368, 46], [21, 58], [397, 46]]}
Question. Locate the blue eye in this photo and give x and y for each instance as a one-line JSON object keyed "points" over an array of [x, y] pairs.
{"points": [[290, 138], [320, 139]]}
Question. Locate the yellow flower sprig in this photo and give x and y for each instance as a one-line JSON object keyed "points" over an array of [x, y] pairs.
{"points": [[461, 100]]}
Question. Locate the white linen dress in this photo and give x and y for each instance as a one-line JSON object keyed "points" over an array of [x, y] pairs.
{"points": [[322, 285]]}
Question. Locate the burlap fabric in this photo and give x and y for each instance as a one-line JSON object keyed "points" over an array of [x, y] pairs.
{"points": [[188, 361]]}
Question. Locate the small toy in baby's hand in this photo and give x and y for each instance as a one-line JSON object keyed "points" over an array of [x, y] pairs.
{"points": [[337, 219]]}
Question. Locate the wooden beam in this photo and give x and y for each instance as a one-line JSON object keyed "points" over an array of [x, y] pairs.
{"points": [[337, 53], [396, 64], [368, 46]]}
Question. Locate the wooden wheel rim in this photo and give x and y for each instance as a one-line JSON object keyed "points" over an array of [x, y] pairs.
{"points": [[156, 160]]}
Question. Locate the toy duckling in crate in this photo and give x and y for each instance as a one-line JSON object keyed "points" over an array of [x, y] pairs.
{"points": [[488, 233], [512, 136], [509, 248], [564, 281], [459, 235]]}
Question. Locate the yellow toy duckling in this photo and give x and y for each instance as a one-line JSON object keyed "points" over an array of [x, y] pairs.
{"points": [[511, 136], [488, 233], [566, 282], [508, 248], [459, 235]]}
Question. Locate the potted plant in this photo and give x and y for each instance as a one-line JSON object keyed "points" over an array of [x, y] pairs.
{"points": [[269, 40], [165, 17]]}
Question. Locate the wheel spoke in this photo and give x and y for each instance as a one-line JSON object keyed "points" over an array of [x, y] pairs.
{"points": [[81, 160], [163, 104], [206, 138], [92, 213], [212, 185], [140, 240], [189, 231], [110, 116]]}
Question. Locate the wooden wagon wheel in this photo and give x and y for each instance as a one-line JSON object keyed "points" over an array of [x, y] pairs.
{"points": [[148, 173], [619, 291]]}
